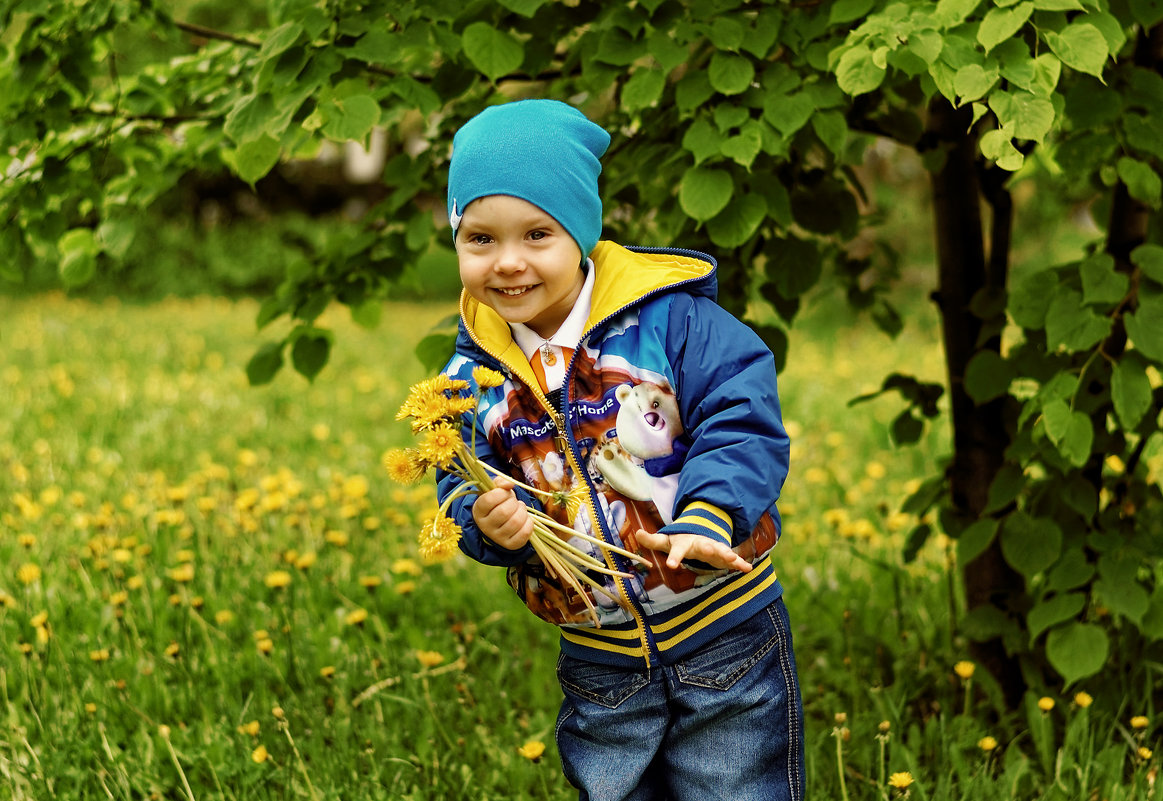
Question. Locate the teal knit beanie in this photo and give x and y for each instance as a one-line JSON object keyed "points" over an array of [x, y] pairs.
{"points": [[541, 151]]}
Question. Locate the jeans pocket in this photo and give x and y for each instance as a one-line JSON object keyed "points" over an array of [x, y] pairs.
{"points": [[600, 684], [720, 663]]}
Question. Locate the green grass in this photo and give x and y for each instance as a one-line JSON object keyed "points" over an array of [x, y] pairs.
{"points": [[150, 499]]}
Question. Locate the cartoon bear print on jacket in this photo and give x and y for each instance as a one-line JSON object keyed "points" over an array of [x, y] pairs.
{"points": [[643, 459]]}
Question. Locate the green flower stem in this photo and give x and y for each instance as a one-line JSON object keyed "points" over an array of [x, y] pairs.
{"points": [[580, 556], [551, 523]]}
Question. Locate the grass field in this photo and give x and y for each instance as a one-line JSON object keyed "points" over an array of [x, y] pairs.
{"points": [[209, 590]]}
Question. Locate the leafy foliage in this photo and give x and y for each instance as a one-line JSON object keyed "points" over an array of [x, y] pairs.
{"points": [[740, 128]]}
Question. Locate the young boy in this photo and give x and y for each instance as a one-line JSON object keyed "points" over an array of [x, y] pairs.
{"points": [[652, 414]]}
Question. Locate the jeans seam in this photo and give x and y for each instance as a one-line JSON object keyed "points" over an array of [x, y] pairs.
{"points": [[793, 763]]}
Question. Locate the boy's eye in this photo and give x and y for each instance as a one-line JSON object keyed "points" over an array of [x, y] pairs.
{"points": [[479, 239], [535, 235]]}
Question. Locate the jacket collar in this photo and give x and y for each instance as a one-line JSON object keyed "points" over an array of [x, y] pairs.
{"points": [[623, 277]]}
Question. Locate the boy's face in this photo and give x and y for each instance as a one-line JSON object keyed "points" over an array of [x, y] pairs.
{"points": [[519, 261]]}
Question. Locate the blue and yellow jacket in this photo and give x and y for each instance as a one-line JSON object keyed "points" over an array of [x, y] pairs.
{"points": [[668, 420]]}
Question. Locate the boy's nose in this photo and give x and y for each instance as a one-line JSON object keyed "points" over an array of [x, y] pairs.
{"points": [[509, 260]]}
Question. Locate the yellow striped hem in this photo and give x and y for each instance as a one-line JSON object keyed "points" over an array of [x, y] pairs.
{"points": [[703, 506], [762, 574], [664, 645]]}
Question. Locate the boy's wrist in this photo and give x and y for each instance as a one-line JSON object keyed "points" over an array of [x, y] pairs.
{"points": [[703, 519]]}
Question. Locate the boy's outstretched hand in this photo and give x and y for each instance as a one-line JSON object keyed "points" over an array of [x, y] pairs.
{"points": [[502, 517], [693, 546]]}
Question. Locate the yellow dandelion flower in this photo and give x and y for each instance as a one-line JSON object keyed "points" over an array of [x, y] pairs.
{"points": [[440, 445], [900, 781], [337, 538], [183, 573], [987, 744], [1082, 700], [320, 431], [429, 659], [119, 598], [1139, 722], [39, 619], [370, 582], [355, 487], [486, 378], [532, 750], [405, 587], [277, 579], [250, 728], [172, 650], [965, 669], [407, 567], [404, 465], [175, 599], [327, 671], [1144, 753], [28, 573], [355, 617], [91, 708], [261, 634], [884, 726], [24, 648], [1045, 703], [278, 712], [265, 646], [306, 560], [26, 541], [259, 755], [99, 655], [135, 582], [438, 539], [163, 731], [223, 616]]}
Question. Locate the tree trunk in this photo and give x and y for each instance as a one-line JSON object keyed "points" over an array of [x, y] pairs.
{"points": [[979, 437]]}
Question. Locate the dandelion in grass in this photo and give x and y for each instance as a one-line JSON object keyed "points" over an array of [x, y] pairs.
{"points": [[1144, 753], [1083, 700], [1140, 722], [259, 755], [277, 579], [327, 671], [532, 750], [265, 646], [251, 728], [99, 655], [429, 659], [987, 744], [901, 782], [1045, 703], [370, 582], [28, 573], [183, 574], [965, 669], [356, 617], [306, 560], [407, 567], [405, 588]]}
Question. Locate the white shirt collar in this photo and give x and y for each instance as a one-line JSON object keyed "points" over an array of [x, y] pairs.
{"points": [[571, 330]]}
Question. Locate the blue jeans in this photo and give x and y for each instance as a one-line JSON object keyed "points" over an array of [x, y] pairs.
{"points": [[724, 723]]}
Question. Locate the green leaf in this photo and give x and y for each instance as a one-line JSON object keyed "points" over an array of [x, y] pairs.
{"points": [[526, 8], [832, 128], [1077, 650], [1142, 181], [1101, 284], [1145, 328], [702, 139], [1130, 390], [1072, 570], [280, 39], [951, 13], [1152, 623], [1006, 486], [1148, 12], [263, 365], [248, 118], [926, 45], [973, 81], [793, 265], [906, 428], [693, 90], [1000, 24], [350, 117], [729, 73], [1023, 115], [255, 158], [848, 10], [726, 33], [998, 146], [78, 250], [310, 352], [975, 539], [643, 90], [1072, 325], [1081, 46], [1111, 29], [432, 351], [666, 51], [736, 223], [1030, 299], [495, 53], [788, 113], [1071, 431], [1149, 259], [377, 46], [1124, 597], [1030, 544], [704, 192], [987, 376], [1058, 5], [857, 72], [367, 314], [745, 146], [1058, 609]]}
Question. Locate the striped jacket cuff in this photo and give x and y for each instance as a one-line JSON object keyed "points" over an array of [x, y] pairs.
{"points": [[702, 518]]}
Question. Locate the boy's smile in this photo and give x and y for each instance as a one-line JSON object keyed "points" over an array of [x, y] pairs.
{"points": [[518, 260]]}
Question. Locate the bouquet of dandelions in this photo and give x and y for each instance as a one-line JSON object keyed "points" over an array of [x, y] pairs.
{"points": [[435, 407]]}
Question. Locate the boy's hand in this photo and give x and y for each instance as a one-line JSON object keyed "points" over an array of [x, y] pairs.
{"points": [[693, 546], [501, 516]]}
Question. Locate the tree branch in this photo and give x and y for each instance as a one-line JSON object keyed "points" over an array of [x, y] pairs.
{"points": [[211, 33]]}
